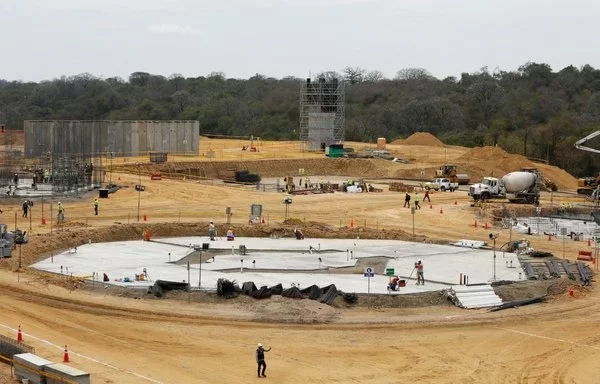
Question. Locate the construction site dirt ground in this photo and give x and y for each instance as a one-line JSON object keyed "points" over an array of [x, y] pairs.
{"points": [[124, 337]]}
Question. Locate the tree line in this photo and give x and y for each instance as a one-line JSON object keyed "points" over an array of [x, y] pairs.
{"points": [[533, 111]]}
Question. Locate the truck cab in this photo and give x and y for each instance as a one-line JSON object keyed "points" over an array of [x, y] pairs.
{"points": [[488, 188]]}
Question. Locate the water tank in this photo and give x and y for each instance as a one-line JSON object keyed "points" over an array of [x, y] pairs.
{"points": [[518, 181]]}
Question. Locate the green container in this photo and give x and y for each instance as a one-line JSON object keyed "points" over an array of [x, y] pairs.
{"points": [[336, 150]]}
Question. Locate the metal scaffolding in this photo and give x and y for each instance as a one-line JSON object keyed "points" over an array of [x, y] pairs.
{"points": [[322, 113], [50, 174]]}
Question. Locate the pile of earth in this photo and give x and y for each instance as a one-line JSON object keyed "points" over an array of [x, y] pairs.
{"points": [[371, 168], [420, 138], [480, 162]]}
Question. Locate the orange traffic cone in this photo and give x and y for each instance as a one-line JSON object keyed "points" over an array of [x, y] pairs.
{"points": [[455, 202], [571, 292], [589, 243], [20, 335], [66, 355], [145, 218], [119, 178], [485, 226], [43, 221], [262, 220], [549, 237], [441, 211], [430, 206], [351, 223], [475, 224]]}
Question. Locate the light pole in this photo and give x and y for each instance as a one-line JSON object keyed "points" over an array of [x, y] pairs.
{"points": [[139, 188], [111, 170], [494, 236]]}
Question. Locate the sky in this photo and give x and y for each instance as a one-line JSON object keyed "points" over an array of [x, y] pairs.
{"points": [[46, 39]]}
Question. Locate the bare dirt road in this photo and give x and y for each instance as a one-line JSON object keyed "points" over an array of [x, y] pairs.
{"points": [[122, 340]]}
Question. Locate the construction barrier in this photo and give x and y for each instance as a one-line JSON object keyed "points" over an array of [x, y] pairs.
{"points": [[585, 256]]}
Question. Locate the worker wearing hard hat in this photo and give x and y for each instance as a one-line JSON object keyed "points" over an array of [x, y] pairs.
{"points": [[260, 360]]}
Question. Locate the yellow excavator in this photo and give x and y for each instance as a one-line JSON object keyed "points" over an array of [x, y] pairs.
{"points": [[449, 172]]}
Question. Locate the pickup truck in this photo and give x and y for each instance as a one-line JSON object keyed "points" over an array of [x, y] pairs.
{"points": [[441, 184]]}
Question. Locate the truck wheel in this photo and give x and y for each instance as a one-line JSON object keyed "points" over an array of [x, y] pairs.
{"points": [[485, 196], [530, 199], [443, 189]]}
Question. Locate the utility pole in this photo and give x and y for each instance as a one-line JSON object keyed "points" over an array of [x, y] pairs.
{"points": [[139, 189]]}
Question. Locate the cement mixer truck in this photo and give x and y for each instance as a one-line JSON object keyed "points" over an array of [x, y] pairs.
{"points": [[516, 187]]}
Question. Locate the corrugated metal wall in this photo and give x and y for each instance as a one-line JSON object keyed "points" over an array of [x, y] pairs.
{"points": [[123, 137]]}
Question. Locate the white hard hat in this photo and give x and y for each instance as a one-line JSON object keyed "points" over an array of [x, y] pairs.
{"points": [[59, 202], [419, 260], [259, 344]]}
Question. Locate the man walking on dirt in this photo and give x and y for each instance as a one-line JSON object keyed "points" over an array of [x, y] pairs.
{"points": [[417, 206], [25, 208], [426, 197], [260, 360], [96, 205], [407, 200]]}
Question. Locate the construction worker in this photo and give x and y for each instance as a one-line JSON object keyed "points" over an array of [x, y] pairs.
{"points": [[25, 208], [46, 176], [393, 285], [407, 200], [61, 213], [96, 205], [299, 234], [230, 236], [426, 197], [419, 268], [417, 206], [260, 360], [211, 231]]}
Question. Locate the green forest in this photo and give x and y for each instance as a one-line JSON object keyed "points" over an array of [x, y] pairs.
{"points": [[534, 111]]}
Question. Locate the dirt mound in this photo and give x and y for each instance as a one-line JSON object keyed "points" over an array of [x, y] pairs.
{"points": [[420, 138], [494, 161]]}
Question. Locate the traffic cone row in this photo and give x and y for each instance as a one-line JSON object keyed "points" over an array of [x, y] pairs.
{"points": [[66, 358]]}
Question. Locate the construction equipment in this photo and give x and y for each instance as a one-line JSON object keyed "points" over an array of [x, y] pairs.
{"points": [[587, 185], [250, 147], [517, 187], [449, 171]]}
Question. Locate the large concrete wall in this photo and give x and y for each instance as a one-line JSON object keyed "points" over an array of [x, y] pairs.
{"points": [[122, 137]]}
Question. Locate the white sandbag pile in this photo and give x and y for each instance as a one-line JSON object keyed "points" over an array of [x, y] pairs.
{"points": [[475, 296]]}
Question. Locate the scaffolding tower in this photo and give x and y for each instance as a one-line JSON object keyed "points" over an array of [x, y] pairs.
{"points": [[322, 113]]}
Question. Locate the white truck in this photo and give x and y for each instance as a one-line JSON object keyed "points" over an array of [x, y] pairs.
{"points": [[442, 184], [517, 187]]}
